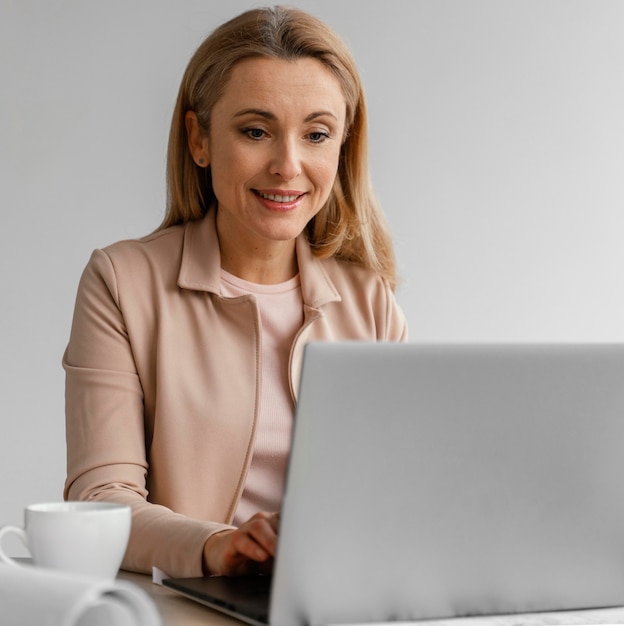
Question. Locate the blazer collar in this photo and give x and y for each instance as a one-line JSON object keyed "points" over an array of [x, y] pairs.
{"points": [[200, 269]]}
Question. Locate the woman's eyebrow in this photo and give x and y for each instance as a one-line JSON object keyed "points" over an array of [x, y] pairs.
{"points": [[266, 114], [316, 114], [271, 116]]}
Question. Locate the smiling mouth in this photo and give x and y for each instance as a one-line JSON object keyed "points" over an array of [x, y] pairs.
{"points": [[273, 197]]}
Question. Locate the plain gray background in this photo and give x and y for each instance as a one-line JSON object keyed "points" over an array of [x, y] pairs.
{"points": [[497, 152]]}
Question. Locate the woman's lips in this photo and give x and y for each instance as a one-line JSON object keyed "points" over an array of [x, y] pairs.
{"points": [[279, 199]]}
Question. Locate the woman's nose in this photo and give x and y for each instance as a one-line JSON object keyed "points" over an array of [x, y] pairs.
{"points": [[286, 160]]}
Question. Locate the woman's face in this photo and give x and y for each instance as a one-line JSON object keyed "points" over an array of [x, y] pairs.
{"points": [[273, 148]]}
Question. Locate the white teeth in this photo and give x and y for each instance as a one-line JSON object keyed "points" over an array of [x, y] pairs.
{"points": [[277, 198]]}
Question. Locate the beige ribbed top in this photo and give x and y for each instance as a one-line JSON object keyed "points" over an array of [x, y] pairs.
{"points": [[281, 315]]}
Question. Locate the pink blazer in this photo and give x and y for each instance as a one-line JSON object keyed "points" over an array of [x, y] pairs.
{"points": [[162, 381]]}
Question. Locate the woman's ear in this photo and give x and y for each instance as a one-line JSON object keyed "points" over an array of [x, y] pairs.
{"points": [[197, 140]]}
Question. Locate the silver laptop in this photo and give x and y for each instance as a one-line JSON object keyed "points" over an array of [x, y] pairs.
{"points": [[431, 481]]}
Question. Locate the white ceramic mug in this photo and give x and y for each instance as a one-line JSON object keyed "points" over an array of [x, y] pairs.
{"points": [[82, 537]]}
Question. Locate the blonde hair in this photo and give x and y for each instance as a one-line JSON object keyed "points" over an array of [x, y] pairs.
{"points": [[351, 225]]}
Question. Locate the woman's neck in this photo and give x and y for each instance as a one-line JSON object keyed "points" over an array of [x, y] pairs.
{"points": [[263, 262], [260, 270]]}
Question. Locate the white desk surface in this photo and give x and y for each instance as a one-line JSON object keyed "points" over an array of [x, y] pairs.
{"points": [[176, 610]]}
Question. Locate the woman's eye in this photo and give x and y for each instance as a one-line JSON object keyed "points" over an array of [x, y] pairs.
{"points": [[318, 137], [254, 133]]}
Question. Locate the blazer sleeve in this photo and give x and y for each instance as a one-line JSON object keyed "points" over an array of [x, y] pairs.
{"points": [[105, 431]]}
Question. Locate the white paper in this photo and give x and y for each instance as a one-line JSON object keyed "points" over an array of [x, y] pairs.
{"points": [[158, 576], [32, 595]]}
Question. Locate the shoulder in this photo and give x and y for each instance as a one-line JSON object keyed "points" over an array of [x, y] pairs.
{"points": [[350, 277], [163, 244], [127, 263], [366, 296], [156, 250]]}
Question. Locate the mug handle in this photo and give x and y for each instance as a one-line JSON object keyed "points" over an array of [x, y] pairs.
{"points": [[16, 530]]}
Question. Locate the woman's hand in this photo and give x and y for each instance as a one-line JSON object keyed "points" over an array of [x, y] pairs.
{"points": [[249, 549]]}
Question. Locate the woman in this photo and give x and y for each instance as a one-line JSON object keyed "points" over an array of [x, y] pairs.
{"points": [[185, 351]]}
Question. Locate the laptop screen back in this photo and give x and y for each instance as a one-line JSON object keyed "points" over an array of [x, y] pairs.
{"points": [[432, 481]]}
